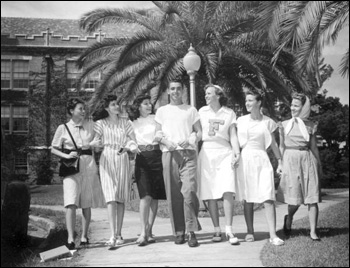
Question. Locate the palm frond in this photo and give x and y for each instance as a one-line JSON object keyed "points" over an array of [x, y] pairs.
{"points": [[344, 66], [93, 20]]}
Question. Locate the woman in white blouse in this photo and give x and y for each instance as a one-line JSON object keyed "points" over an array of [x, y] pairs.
{"points": [[148, 167]]}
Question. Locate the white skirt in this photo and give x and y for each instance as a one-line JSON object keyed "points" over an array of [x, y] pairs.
{"points": [[255, 177], [215, 175]]}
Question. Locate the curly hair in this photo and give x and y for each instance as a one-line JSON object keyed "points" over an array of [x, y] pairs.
{"points": [[258, 96], [101, 113], [299, 96], [220, 92], [72, 103], [134, 109]]}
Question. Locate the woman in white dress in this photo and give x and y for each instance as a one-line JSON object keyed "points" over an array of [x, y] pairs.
{"points": [[81, 190], [218, 158], [255, 176], [116, 135]]}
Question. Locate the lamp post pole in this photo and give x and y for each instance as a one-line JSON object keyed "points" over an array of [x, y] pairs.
{"points": [[192, 62], [192, 75]]}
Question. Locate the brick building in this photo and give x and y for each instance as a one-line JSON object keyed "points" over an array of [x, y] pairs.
{"points": [[38, 74]]}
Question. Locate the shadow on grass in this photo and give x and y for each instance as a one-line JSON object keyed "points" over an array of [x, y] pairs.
{"points": [[322, 232]]}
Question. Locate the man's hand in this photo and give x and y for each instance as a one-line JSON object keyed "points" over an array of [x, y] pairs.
{"points": [[171, 146]]}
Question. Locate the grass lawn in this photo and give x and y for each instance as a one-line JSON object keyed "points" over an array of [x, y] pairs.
{"points": [[300, 250], [29, 256]]}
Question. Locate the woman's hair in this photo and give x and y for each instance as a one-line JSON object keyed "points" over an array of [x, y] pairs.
{"points": [[72, 103], [134, 111], [101, 113], [256, 94], [299, 96], [220, 92]]}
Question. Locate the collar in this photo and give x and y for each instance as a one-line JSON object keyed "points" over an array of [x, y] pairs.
{"points": [[80, 125]]}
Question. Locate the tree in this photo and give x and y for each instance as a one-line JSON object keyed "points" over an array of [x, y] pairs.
{"points": [[221, 32], [303, 27]]}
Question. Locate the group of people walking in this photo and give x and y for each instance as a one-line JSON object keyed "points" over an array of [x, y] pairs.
{"points": [[232, 164]]}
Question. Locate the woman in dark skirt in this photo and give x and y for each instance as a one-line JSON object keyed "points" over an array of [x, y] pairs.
{"points": [[148, 167]]}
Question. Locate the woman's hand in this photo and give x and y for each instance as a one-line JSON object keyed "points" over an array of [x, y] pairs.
{"points": [[72, 155], [279, 169], [96, 144], [235, 160], [171, 146]]}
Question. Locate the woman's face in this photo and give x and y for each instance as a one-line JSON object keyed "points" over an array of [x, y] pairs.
{"points": [[210, 96], [145, 107], [113, 108], [78, 111], [251, 103], [296, 107]]}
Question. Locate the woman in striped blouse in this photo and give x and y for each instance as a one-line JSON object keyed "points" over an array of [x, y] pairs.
{"points": [[116, 136]]}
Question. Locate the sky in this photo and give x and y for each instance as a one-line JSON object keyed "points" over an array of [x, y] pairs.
{"points": [[336, 86]]}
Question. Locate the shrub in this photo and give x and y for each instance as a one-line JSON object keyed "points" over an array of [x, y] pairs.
{"points": [[43, 170]]}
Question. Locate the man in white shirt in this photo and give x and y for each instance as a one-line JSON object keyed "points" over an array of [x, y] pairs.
{"points": [[180, 127]]}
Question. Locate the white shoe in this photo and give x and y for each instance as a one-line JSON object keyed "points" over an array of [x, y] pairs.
{"points": [[111, 242], [119, 240], [232, 239], [276, 241]]}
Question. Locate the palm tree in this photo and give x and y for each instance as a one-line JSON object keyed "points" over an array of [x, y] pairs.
{"points": [[304, 28], [221, 32]]}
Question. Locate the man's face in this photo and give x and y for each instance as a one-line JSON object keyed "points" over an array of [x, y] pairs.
{"points": [[175, 91]]}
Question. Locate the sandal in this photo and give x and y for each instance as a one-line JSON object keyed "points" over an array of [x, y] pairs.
{"points": [[141, 241], [232, 239], [151, 240], [249, 238], [276, 241], [84, 243], [119, 240], [216, 237], [111, 242]]}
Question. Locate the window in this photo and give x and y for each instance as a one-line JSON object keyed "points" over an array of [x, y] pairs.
{"points": [[14, 74], [21, 163], [20, 74], [5, 73], [73, 74], [20, 119], [18, 122]]}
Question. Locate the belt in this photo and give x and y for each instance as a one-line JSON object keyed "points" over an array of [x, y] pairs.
{"points": [[81, 152], [149, 147], [300, 148]]}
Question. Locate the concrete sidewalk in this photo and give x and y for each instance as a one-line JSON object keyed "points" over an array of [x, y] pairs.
{"points": [[166, 253]]}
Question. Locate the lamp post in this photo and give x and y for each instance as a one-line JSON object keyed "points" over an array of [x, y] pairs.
{"points": [[192, 62]]}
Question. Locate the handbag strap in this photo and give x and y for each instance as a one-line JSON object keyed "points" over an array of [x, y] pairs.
{"points": [[70, 134]]}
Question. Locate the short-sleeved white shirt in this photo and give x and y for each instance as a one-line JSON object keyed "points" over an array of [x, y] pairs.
{"points": [[145, 128], [83, 134], [177, 122], [216, 125]]}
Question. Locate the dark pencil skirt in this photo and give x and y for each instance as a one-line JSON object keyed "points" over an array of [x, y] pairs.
{"points": [[149, 174]]}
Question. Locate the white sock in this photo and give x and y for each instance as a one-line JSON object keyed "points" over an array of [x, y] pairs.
{"points": [[228, 229], [217, 229]]}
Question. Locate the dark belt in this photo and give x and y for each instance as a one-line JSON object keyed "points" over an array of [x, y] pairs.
{"points": [[149, 147], [300, 148], [81, 152]]}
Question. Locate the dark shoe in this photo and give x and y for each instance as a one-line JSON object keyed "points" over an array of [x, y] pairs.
{"points": [[180, 239], [84, 243], [192, 240], [286, 231], [315, 239], [71, 246]]}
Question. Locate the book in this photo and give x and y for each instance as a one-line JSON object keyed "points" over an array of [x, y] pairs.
{"points": [[60, 252]]}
